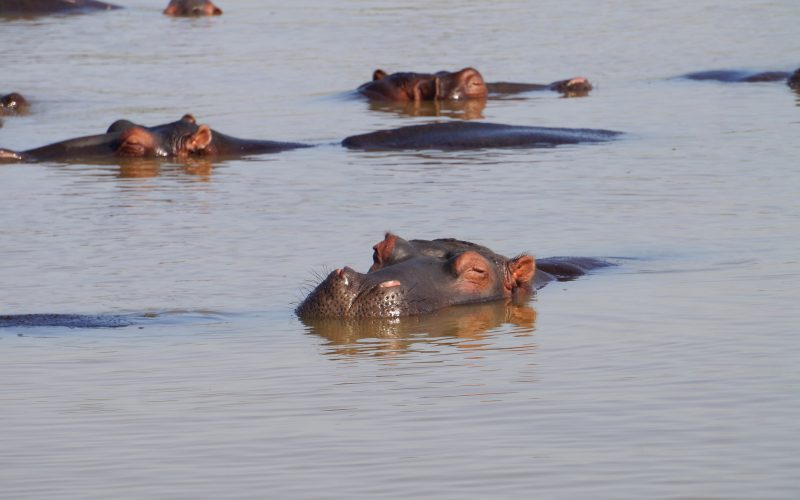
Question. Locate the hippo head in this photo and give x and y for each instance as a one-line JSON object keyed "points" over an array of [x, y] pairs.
{"points": [[417, 277], [13, 103], [192, 8], [181, 138], [577, 86], [444, 85], [465, 84], [794, 80]]}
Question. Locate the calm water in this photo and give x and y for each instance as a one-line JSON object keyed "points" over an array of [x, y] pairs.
{"points": [[674, 375]]}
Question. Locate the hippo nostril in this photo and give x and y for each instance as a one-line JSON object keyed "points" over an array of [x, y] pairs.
{"points": [[389, 284]]}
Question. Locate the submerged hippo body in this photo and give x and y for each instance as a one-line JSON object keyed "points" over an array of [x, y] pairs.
{"points": [[25, 8], [571, 87], [474, 135], [407, 86], [192, 8], [415, 277], [13, 104], [125, 139], [740, 76]]}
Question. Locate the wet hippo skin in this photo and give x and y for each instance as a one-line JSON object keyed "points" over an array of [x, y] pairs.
{"points": [[460, 135], [179, 139], [409, 278], [792, 79], [65, 320], [13, 104], [44, 7]]}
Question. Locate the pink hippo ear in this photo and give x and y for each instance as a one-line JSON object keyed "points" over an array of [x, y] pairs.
{"points": [[520, 271], [383, 251], [379, 74], [172, 9], [200, 140], [136, 142]]}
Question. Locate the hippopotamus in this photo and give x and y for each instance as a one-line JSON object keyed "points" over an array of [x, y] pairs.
{"points": [[740, 76], [576, 86], [459, 135], [192, 8], [13, 104], [23, 8], [467, 83], [179, 139], [443, 85], [409, 278]]}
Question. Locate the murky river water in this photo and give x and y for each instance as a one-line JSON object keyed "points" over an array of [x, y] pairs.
{"points": [[674, 375]]}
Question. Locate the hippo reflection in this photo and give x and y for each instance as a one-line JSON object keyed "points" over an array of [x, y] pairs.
{"points": [[740, 76], [414, 277], [179, 139], [466, 109], [468, 326]]}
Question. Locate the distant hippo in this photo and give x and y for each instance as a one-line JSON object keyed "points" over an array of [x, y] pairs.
{"points": [[415, 277], [460, 135], [13, 104], [192, 8], [25, 8], [740, 76], [124, 138], [444, 85], [465, 84]]}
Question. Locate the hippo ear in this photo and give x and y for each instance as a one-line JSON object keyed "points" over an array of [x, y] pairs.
{"points": [[383, 251], [199, 140], [188, 118], [172, 9], [472, 267], [379, 74], [425, 89], [135, 141], [520, 271]]}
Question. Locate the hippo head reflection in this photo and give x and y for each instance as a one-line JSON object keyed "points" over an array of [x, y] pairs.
{"points": [[464, 109], [464, 326]]}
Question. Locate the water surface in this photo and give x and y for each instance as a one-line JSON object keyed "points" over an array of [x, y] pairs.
{"points": [[673, 375]]}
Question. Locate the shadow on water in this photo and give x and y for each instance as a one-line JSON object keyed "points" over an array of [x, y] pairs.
{"points": [[469, 327]]}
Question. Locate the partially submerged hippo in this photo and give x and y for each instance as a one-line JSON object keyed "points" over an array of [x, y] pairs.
{"points": [[414, 277], [464, 84], [24, 8], [467, 83], [124, 138], [740, 76], [576, 86], [459, 135], [13, 104], [192, 8]]}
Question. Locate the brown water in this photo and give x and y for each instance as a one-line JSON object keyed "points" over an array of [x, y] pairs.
{"points": [[673, 375]]}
